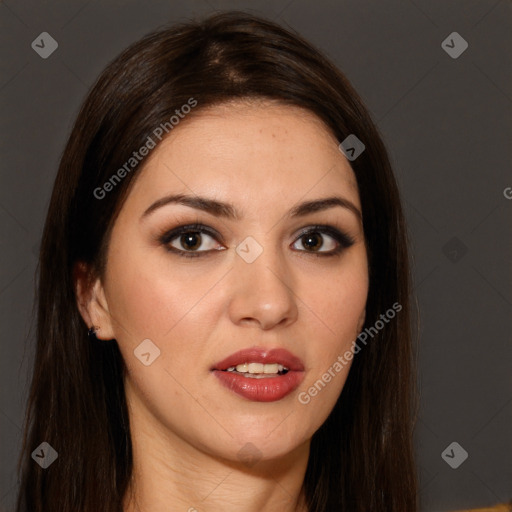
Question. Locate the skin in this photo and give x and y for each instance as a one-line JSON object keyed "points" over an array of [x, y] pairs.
{"points": [[187, 429]]}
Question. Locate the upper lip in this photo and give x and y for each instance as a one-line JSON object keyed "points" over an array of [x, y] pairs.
{"points": [[261, 355]]}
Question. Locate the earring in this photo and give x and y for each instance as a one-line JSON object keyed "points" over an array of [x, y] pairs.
{"points": [[92, 331]]}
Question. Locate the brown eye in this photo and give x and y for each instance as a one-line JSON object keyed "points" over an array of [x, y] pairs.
{"points": [[314, 241], [192, 241]]}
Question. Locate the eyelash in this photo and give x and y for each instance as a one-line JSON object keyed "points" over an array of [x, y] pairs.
{"points": [[344, 240]]}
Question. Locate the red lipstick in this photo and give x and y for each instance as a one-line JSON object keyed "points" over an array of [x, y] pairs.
{"points": [[262, 375]]}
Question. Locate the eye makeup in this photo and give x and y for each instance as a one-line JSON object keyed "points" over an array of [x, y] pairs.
{"points": [[196, 231]]}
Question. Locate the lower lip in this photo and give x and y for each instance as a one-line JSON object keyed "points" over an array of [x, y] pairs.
{"points": [[267, 389]]}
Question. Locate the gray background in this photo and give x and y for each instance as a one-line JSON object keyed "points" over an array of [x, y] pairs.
{"points": [[447, 125]]}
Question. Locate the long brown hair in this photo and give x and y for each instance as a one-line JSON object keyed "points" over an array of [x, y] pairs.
{"points": [[361, 459]]}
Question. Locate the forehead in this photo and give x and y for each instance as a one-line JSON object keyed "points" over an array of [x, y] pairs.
{"points": [[246, 149]]}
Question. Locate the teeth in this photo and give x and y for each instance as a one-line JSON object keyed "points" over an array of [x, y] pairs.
{"points": [[253, 367], [270, 368], [257, 368]]}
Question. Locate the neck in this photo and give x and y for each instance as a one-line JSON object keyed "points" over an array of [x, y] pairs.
{"points": [[170, 473]]}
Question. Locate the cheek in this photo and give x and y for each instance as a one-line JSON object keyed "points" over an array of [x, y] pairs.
{"points": [[340, 303], [337, 310], [151, 300], [341, 308], [163, 302], [163, 305]]}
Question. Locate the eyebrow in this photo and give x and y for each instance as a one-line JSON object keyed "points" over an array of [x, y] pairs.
{"points": [[228, 211]]}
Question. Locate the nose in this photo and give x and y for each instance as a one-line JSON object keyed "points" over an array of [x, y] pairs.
{"points": [[262, 291]]}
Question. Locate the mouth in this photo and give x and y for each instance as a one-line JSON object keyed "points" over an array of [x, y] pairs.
{"points": [[259, 374]]}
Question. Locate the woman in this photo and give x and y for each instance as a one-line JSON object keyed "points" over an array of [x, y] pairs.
{"points": [[224, 316]]}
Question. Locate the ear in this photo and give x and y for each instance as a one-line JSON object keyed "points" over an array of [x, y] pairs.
{"points": [[362, 318], [92, 302]]}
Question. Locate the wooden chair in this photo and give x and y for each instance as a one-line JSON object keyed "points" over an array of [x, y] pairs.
{"points": [[505, 507]]}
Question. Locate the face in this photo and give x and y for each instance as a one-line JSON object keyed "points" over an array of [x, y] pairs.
{"points": [[263, 277]]}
